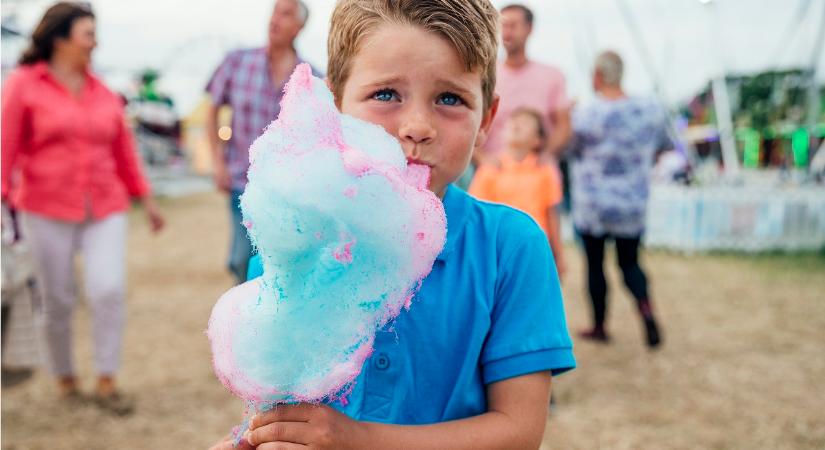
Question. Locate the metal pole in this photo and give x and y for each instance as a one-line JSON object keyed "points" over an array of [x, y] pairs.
{"points": [[813, 92], [636, 34], [721, 102]]}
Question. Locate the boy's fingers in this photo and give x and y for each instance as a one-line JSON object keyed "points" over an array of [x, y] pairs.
{"points": [[228, 445], [282, 446], [242, 445], [280, 432], [300, 412]]}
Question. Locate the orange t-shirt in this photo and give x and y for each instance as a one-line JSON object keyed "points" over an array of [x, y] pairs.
{"points": [[528, 185]]}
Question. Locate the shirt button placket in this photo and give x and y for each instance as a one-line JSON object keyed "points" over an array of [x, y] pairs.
{"points": [[382, 361]]}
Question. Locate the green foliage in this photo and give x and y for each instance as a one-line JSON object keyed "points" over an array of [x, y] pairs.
{"points": [[767, 101]]}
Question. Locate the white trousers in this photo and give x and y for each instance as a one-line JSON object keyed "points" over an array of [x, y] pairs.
{"points": [[102, 244]]}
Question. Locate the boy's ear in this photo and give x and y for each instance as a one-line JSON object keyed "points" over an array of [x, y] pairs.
{"points": [[486, 122]]}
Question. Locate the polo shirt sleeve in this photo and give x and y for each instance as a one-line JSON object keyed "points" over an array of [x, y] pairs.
{"points": [[528, 330], [219, 85]]}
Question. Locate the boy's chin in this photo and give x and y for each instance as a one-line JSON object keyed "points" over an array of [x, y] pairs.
{"points": [[438, 187], [438, 182]]}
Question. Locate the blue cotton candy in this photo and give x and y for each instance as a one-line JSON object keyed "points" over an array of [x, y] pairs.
{"points": [[346, 231]]}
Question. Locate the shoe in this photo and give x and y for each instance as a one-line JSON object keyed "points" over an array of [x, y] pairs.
{"points": [[595, 335], [74, 398], [653, 337], [13, 377], [115, 403]]}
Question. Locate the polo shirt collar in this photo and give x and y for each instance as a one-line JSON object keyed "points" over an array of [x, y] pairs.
{"points": [[456, 206]]}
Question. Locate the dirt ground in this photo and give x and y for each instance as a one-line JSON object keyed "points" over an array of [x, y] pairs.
{"points": [[741, 367]]}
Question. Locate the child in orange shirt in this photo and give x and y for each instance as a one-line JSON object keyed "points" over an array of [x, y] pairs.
{"points": [[521, 180]]}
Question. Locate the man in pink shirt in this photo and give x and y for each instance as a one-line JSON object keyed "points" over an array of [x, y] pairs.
{"points": [[522, 83]]}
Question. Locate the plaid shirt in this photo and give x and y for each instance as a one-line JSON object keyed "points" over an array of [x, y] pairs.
{"points": [[243, 82]]}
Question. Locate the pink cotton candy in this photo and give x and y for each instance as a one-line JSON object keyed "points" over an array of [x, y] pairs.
{"points": [[346, 230]]}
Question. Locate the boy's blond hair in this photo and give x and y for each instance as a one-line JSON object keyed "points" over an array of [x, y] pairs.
{"points": [[470, 25]]}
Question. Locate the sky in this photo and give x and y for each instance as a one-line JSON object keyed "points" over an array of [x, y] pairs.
{"points": [[687, 41]]}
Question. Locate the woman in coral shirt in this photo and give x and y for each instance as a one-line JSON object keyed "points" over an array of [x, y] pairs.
{"points": [[69, 166]]}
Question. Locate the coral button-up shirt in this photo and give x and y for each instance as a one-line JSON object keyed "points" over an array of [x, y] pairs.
{"points": [[66, 157]]}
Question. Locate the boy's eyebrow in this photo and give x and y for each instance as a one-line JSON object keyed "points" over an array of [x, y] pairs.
{"points": [[384, 81], [453, 86], [448, 84]]}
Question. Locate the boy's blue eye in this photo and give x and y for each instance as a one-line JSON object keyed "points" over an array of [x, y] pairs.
{"points": [[449, 99], [384, 95]]}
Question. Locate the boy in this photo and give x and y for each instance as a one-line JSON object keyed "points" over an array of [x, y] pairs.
{"points": [[469, 365], [518, 178]]}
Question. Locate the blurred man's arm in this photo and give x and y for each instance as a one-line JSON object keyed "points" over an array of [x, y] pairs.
{"points": [[220, 174], [562, 131], [554, 238]]}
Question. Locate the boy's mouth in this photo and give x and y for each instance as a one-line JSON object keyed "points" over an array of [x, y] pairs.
{"points": [[417, 174], [411, 161]]}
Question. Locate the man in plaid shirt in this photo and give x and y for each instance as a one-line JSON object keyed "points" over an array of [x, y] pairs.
{"points": [[251, 82]]}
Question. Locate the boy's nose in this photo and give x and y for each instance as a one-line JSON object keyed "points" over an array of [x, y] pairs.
{"points": [[417, 130]]}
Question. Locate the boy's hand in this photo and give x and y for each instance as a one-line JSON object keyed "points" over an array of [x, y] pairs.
{"points": [[303, 426], [227, 444]]}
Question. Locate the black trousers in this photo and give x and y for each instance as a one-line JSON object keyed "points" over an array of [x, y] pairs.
{"points": [[627, 250]]}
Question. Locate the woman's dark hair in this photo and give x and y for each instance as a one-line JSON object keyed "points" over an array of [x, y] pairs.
{"points": [[56, 23]]}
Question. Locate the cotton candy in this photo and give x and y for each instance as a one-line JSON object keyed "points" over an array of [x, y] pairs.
{"points": [[346, 230]]}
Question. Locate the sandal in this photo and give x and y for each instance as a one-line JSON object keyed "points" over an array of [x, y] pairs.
{"points": [[595, 335], [74, 398], [13, 377], [115, 403]]}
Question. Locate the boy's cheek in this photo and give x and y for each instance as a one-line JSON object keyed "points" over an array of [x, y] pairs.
{"points": [[367, 114]]}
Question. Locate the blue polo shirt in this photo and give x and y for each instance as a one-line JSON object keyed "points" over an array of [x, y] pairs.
{"points": [[491, 309]]}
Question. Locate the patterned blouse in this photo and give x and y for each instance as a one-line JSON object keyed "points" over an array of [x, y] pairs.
{"points": [[613, 151]]}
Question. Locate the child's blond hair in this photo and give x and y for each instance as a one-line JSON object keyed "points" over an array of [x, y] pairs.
{"points": [[470, 25]]}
